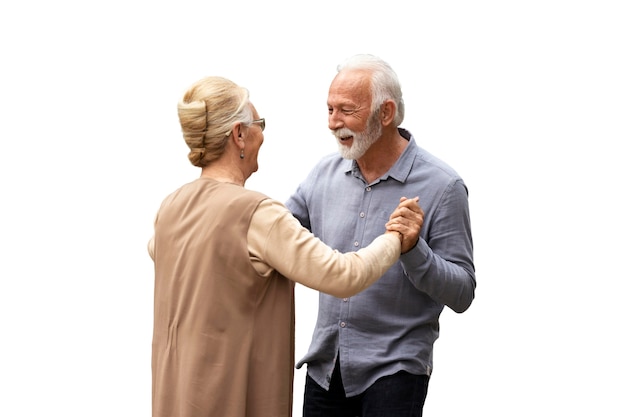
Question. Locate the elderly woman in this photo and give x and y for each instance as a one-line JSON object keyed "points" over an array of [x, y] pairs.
{"points": [[226, 260]]}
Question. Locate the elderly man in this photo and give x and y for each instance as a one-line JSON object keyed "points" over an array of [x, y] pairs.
{"points": [[372, 354]]}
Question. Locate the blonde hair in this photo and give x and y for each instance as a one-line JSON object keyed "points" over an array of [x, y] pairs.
{"points": [[207, 113]]}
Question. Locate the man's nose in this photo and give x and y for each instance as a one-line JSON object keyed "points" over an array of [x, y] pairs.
{"points": [[335, 121]]}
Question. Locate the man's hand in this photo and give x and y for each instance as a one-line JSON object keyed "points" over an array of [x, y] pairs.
{"points": [[407, 219]]}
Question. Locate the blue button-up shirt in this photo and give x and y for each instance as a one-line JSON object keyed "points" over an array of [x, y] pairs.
{"points": [[392, 325]]}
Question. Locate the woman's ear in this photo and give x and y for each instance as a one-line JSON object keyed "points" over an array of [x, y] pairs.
{"points": [[239, 132]]}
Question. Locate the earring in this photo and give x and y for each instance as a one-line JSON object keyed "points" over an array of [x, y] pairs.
{"points": [[241, 154]]}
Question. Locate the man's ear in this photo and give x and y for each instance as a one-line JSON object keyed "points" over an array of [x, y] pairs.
{"points": [[387, 112]]}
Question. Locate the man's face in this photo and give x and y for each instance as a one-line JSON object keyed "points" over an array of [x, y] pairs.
{"points": [[360, 142], [349, 114]]}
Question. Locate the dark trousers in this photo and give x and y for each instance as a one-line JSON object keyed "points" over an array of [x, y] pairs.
{"points": [[398, 395]]}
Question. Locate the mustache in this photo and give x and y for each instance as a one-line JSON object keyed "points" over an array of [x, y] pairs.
{"points": [[342, 132]]}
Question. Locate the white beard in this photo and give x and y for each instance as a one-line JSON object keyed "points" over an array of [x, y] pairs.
{"points": [[361, 142]]}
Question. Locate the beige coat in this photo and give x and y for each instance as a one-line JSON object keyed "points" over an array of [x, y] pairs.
{"points": [[223, 342]]}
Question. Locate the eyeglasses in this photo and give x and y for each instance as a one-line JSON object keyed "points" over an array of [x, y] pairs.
{"points": [[261, 123]]}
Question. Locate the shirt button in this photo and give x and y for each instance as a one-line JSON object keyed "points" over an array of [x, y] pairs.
{"points": [[342, 324], [345, 299], [356, 243], [368, 189], [328, 378], [361, 214]]}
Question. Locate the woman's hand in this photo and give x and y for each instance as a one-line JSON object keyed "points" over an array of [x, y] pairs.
{"points": [[407, 220]]}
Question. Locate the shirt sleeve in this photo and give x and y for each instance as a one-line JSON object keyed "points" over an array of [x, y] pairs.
{"points": [[443, 267], [277, 241]]}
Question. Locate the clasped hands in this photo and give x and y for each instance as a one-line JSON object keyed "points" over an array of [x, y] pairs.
{"points": [[406, 220]]}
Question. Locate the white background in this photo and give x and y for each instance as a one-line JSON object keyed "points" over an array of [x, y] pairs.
{"points": [[526, 99]]}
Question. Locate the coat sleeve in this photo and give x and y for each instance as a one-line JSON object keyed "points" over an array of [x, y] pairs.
{"points": [[277, 241]]}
